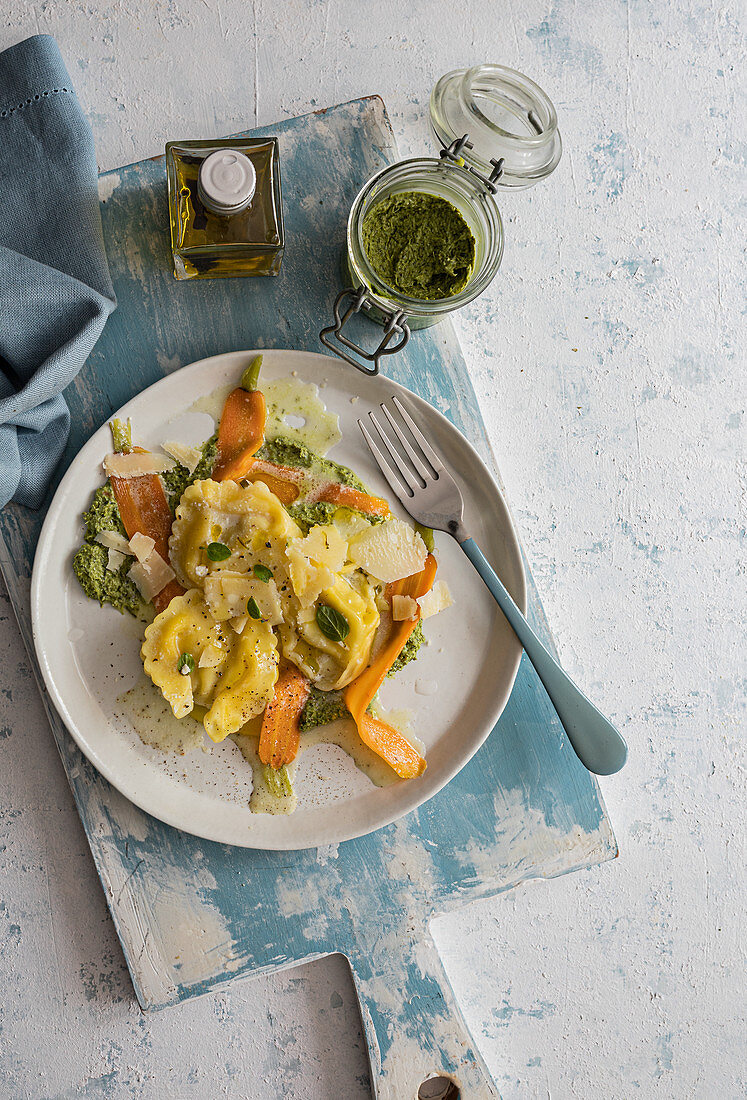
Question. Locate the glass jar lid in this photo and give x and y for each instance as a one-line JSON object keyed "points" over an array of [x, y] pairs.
{"points": [[511, 126]]}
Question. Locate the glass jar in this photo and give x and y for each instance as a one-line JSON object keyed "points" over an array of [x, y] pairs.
{"points": [[462, 190], [497, 130]]}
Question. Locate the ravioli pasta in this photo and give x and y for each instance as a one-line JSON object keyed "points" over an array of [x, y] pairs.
{"points": [[250, 521], [236, 655], [233, 675]]}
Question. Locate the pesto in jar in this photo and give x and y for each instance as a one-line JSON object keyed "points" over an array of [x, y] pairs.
{"points": [[419, 244]]}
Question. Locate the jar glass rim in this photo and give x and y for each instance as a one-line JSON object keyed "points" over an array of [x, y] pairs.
{"points": [[421, 307], [499, 73]]}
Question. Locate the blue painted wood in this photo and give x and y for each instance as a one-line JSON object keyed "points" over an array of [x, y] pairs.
{"points": [[192, 915]]}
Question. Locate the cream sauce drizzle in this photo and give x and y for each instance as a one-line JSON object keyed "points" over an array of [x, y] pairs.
{"points": [[153, 720], [300, 401], [151, 717], [311, 424]]}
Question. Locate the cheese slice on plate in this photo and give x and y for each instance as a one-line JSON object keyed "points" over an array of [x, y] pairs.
{"points": [[137, 464], [151, 576]]}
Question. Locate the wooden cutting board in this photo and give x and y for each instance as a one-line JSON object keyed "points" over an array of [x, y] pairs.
{"points": [[191, 914]]}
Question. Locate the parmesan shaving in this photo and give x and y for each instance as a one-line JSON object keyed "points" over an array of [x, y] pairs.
{"points": [[211, 657], [183, 453], [404, 609], [142, 546], [151, 576], [112, 540], [438, 599], [389, 551], [114, 560], [137, 464], [314, 561]]}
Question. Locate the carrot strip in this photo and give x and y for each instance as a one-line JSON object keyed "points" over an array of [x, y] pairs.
{"points": [[143, 507], [361, 691], [240, 434], [390, 745], [347, 497], [281, 725], [241, 431], [387, 742], [281, 480]]}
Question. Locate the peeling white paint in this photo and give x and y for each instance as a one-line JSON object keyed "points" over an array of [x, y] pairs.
{"points": [[108, 184]]}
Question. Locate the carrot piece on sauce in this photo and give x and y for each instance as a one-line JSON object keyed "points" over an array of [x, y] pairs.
{"points": [[281, 725], [283, 481], [242, 427], [383, 739], [143, 507], [347, 497]]}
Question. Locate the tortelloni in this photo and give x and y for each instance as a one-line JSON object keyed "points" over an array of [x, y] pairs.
{"points": [[255, 581], [331, 664], [251, 522], [232, 675]]}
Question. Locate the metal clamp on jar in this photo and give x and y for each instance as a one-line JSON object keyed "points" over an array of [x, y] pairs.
{"points": [[497, 130]]}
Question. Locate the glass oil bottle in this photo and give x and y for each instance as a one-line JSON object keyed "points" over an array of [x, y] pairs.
{"points": [[225, 208]]}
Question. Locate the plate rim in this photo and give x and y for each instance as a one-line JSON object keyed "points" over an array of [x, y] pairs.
{"points": [[57, 695]]}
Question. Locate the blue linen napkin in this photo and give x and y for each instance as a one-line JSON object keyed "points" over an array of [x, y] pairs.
{"points": [[55, 289]]}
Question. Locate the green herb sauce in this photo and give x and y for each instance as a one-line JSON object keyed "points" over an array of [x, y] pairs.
{"points": [[106, 585], [89, 564], [176, 480], [286, 452], [419, 244]]}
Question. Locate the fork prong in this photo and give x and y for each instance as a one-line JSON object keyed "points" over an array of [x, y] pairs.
{"points": [[420, 466], [419, 438], [401, 467], [396, 485]]}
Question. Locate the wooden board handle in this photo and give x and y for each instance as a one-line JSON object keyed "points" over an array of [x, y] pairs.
{"points": [[414, 1030]]}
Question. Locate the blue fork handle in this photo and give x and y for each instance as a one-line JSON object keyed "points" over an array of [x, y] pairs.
{"points": [[596, 742]]}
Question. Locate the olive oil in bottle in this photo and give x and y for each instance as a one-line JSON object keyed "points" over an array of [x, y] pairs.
{"points": [[225, 208]]}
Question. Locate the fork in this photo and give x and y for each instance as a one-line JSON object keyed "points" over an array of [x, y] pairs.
{"points": [[432, 497]]}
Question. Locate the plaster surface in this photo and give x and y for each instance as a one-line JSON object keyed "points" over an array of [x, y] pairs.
{"points": [[609, 360]]}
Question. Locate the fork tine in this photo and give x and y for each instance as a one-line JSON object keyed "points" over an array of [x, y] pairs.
{"points": [[419, 438], [397, 487], [422, 469], [401, 467]]}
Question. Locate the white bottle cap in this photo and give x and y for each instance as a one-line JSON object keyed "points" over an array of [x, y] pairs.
{"points": [[226, 181]]}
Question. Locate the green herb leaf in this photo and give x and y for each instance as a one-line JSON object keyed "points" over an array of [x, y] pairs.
{"points": [[332, 623], [252, 608], [262, 573], [218, 551], [250, 377], [186, 660]]}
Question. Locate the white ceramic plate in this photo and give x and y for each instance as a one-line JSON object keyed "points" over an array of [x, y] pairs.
{"points": [[89, 654]]}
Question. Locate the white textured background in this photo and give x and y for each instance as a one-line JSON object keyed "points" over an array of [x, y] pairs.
{"points": [[609, 362]]}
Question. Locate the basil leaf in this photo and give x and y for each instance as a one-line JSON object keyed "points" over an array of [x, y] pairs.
{"points": [[186, 660], [262, 573], [332, 623], [218, 551], [252, 608]]}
